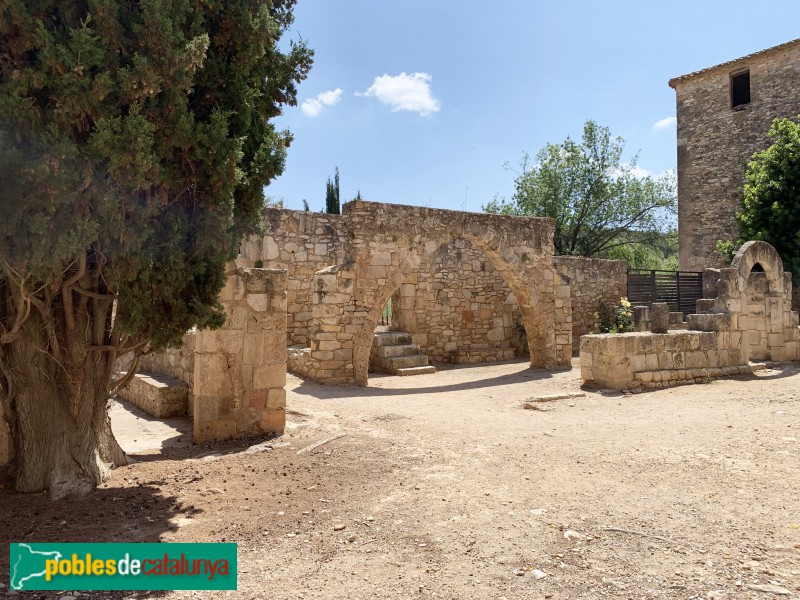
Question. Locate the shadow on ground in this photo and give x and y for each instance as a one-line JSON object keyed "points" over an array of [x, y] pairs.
{"points": [[311, 388], [114, 514]]}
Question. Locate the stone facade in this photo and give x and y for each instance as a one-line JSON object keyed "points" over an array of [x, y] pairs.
{"points": [[592, 281], [240, 369], [716, 140], [458, 308], [384, 244], [302, 243], [750, 317]]}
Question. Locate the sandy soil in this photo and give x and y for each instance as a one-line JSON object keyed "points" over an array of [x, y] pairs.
{"points": [[448, 488]]}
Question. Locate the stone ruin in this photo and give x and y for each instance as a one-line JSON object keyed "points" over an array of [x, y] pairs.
{"points": [[750, 317], [465, 288]]}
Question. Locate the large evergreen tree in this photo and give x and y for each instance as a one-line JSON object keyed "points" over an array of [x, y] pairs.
{"points": [[135, 142]]}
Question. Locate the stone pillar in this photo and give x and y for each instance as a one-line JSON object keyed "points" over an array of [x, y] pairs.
{"points": [[240, 369], [641, 318], [659, 317]]}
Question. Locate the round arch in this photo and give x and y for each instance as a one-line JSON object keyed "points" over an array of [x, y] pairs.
{"points": [[536, 306]]}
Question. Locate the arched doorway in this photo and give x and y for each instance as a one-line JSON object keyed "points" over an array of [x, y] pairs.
{"points": [[386, 242]]}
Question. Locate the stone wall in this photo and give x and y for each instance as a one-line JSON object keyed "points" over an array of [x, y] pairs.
{"points": [[458, 308], [753, 321], [715, 142], [750, 317], [384, 244], [592, 281], [175, 362], [240, 369], [302, 243]]}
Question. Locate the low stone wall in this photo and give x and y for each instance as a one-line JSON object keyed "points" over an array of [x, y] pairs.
{"points": [[175, 362], [302, 243], [592, 281], [750, 317], [158, 395], [644, 360], [240, 369]]}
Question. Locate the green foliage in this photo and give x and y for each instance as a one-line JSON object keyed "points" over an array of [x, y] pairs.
{"points": [[305, 205], [727, 250], [662, 254], [598, 201], [771, 195], [137, 136], [616, 319], [332, 204]]}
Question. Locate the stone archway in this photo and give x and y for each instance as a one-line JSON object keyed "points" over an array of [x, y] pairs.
{"points": [[779, 327], [384, 243]]}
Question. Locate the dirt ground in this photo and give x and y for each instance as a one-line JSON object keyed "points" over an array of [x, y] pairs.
{"points": [[448, 488]]}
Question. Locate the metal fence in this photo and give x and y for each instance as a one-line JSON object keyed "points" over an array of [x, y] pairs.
{"points": [[679, 289]]}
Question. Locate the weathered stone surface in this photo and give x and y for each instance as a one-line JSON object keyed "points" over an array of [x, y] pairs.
{"points": [[239, 371], [715, 141], [751, 318], [157, 395], [383, 248], [659, 317], [592, 281]]}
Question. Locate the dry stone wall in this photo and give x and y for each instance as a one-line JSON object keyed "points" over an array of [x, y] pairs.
{"points": [[592, 281], [715, 141]]}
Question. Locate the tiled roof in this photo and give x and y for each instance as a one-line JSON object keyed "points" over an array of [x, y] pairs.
{"points": [[730, 63]]}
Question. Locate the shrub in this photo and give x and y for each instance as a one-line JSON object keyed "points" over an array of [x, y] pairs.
{"points": [[616, 319]]}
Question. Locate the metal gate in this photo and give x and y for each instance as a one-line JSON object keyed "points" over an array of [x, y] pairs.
{"points": [[679, 289]]}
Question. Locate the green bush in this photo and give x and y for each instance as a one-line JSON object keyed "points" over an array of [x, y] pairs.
{"points": [[616, 319]]}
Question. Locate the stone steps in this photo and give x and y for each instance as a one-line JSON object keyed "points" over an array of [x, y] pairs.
{"points": [[157, 395], [391, 338], [393, 353], [397, 351], [416, 370]]}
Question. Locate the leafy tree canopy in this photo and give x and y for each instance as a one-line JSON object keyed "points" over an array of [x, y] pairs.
{"points": [[598, 201], [771, 196]]}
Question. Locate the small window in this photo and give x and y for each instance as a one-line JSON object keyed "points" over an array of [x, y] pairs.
{"points": [[740, 89]]}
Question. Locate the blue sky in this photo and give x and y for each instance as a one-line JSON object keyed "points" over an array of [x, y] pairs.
{"points": [[425, 102]]}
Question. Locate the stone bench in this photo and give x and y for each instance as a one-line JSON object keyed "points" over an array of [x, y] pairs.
{"points": [[157, 395]]}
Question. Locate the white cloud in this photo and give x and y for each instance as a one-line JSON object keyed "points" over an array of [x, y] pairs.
{"points": [[314, 106], [411, 92], [664, 123]]}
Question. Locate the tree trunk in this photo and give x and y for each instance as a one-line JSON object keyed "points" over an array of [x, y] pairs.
{"points": [[58, 409]]}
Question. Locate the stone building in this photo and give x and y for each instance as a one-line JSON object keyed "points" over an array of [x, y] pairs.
{"points": [[724, 114]]}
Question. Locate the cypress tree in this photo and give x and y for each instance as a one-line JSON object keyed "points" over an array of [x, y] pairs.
{"points": [[135, 142]]}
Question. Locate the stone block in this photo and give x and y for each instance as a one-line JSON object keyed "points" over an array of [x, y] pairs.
{"points": [[659, 317], [214, 431], [270, 376]]}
